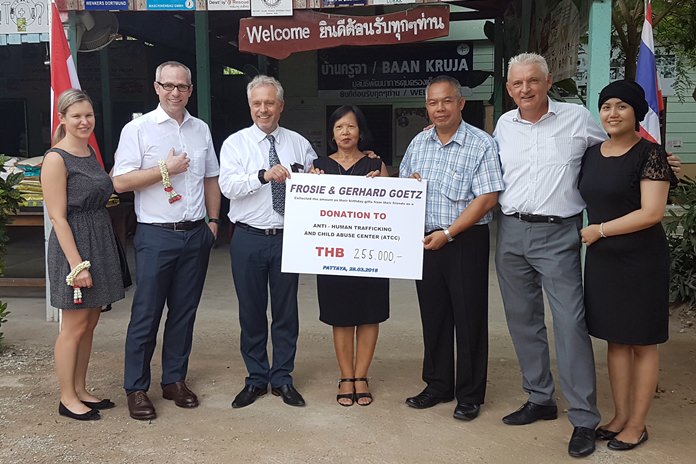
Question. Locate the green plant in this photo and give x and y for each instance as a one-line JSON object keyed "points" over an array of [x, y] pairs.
{"points": [[10, 199], [681, 238], [3, 313]]}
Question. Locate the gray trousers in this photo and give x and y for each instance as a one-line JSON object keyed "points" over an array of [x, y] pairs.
{"points": [[529, 257]]}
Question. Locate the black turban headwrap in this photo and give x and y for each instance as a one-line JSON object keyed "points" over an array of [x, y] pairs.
{"points": [[628, 92]]}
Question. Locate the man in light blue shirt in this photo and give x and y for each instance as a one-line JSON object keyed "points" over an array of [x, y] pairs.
{"points": [[460, 163]]}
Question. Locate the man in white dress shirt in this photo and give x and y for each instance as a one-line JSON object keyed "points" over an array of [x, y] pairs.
{"points": [[172, 241], [541, 145], [254, 164]]}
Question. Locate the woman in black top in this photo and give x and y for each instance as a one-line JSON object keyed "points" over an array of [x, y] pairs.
{"points": [[625, 181], [354, 306]]}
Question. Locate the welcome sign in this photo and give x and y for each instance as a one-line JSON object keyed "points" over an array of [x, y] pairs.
{"points": [[310, 30]]}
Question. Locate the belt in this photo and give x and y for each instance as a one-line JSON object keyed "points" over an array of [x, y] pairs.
{"points": [[256, 230], [178, 226], [541, 218]]}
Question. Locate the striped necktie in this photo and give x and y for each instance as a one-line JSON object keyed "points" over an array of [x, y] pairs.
{"points": [[277, 190]]}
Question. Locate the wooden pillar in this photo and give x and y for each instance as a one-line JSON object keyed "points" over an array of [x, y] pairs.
{"points": [[203, 67]]}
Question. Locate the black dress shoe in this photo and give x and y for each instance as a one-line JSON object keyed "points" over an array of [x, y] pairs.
{"points": [[90, 415], [289, 394], [425, 400], [248, 395], [466, 411], [618, 445], [531, 412], [140, 407], [103, 404], [180, 394], [604, 434], [582, 442]]}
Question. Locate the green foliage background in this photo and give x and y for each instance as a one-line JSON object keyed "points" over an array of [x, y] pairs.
{"points": [[10, 200], [681, 237]]}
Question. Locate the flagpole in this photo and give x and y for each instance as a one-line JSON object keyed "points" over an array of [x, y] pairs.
{"points": [[52, 314]]}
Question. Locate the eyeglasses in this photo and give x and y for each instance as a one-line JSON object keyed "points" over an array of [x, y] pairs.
{"points": [[169, 86]]}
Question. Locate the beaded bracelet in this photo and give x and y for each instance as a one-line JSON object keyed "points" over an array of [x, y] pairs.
{"points": [[173, 196], [70, 280]]}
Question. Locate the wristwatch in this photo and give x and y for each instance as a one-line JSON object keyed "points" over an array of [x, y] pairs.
{"points": [[261, 178], [214, 220], [448, 235]]}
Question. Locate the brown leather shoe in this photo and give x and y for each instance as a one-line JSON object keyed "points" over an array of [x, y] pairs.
{"points": [[140, 407], [180, 393]]}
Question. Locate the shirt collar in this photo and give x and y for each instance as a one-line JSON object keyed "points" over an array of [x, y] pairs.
{"points": [[458, 136], [162, 116], [260, 135], [552, 110]]}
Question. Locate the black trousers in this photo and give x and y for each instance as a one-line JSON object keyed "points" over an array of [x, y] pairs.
{"points": [[453, 298], [256, 268], [170, 267]]}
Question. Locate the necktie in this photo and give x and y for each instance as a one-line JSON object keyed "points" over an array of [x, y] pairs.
{"points": [[277, 190]]}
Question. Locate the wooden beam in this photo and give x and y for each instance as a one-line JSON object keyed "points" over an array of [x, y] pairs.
{"points": [[26, 282]]}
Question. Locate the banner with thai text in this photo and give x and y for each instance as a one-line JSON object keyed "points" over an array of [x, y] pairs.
{"points": [[354, 225], [388, 72], [311, 30]]}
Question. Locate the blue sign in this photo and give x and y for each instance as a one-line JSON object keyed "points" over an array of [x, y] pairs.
{"points": [[106, 4], [171, 4]]}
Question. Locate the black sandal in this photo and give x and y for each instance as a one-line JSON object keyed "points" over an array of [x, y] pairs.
{"points": [[358, 396], [346, 396]]}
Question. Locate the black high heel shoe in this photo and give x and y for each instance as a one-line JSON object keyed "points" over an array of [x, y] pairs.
{"points": [[358, 396], [103, 404], [92, 414], [345, 396]]}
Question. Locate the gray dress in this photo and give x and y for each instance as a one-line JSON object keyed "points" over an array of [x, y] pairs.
{"points": [[88, 191]]}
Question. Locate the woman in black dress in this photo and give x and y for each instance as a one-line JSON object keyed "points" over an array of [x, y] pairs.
{"points": [[354, 306], [625, 182], [83, 264]]}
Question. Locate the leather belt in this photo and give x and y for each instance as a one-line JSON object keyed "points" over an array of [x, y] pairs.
{"points": [[256, 230], [178, 226], [524, 217]]}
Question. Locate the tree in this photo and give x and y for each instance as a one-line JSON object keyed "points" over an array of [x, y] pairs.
{"points": [[674, 27]]}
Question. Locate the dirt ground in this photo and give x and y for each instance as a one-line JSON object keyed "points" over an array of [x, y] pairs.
{"points": [[323, 432]]}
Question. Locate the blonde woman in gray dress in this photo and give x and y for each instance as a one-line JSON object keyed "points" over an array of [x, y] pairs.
{"points": [[83, 265]]}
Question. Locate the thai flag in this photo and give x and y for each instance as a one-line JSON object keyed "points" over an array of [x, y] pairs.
{"points": [[63, 74], [646, 77]]}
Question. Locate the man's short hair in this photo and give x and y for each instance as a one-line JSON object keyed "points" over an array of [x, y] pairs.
{"points": [[260, 80], [445, 79], [529, 58], [176, 64]]}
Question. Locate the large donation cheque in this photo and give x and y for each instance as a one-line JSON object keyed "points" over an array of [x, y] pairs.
{"points": [[354, 225]]}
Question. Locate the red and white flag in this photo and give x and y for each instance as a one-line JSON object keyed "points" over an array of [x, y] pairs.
{"points": [[646, 77], [63, 73]]}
